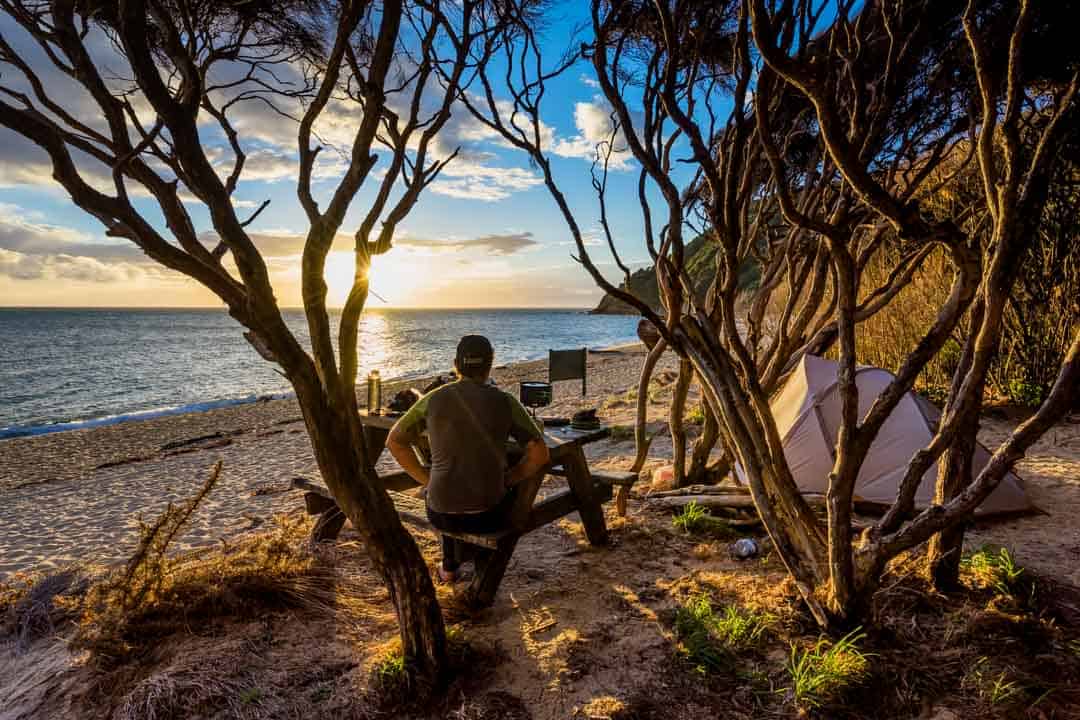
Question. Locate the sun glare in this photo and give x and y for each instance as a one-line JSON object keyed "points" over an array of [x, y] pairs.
{"points": [[393, 276]]}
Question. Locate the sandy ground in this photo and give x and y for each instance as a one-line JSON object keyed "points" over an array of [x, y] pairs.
{"points": [[80, 494], [574, 629]]}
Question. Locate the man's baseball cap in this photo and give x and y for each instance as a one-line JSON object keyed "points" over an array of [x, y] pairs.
{"points": [[474, 353]]}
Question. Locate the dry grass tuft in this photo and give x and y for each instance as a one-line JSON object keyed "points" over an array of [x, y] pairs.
{"points": [[604, 707], [33, 605], [155, 595], [491, 706], [176, 694]]}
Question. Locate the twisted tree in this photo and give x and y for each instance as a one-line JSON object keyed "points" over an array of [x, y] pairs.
{"points": [[809, 132], [160, 77]]}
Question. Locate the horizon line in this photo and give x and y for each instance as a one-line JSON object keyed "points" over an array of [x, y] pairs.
{"points": [[295, 307]]}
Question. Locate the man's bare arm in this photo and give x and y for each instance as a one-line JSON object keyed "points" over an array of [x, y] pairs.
{"points": [[400, 447], [535, 458]]}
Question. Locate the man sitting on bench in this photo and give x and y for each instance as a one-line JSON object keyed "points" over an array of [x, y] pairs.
{"points": [[470, 488]]}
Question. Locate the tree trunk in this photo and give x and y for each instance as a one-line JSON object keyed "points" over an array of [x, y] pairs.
{"points": [[700, 472], [677, 422], [946, 548], [641, 440], [954, 471], [339, 449], [791, 524]]}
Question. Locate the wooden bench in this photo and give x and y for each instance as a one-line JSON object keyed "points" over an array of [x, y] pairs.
{"points": [[623, 480], [494, 549], [585, 495]]}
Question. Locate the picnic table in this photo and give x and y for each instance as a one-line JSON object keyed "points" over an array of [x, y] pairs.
{"points": [[586, 492]]}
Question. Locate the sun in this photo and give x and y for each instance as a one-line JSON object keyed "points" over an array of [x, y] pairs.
{"points": [[394, 276]]}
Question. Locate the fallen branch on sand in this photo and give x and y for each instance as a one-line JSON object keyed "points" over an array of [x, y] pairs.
{"points": [[701, 490], [704, 500]]}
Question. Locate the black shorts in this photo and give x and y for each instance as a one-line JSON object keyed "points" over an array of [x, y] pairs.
{"points": [[489, 521]]}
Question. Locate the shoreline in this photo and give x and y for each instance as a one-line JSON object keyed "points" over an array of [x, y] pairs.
{"points": [[15, 432], [78, 495]]}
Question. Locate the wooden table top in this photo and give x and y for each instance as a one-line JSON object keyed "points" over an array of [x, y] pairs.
{"points": [[554, 437]]}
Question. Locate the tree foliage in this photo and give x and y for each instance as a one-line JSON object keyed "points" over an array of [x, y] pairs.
{"points": [[812, 132]]}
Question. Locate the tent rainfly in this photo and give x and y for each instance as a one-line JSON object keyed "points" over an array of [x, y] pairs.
{"points": [[807, 414]]}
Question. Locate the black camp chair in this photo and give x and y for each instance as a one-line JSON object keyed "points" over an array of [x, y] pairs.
{"points": [[568, 365]]}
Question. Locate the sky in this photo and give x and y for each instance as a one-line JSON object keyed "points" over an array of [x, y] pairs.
{"points": [[485, 234]]}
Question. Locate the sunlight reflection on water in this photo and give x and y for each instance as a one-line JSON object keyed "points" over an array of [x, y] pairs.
{"points": [[61, 365]]}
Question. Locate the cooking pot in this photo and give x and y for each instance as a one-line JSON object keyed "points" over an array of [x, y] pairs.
{"points": [[535, 393]]}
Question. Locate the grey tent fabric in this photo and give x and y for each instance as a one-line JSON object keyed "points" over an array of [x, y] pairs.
{"points": [[807, 414]]}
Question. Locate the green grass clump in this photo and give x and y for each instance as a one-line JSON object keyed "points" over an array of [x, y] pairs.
{"points": [[996, 689], [696, 415], [742, 629], [822, 674], [690, 518], [390, 671], [695, 519], [997, 569], [711, 639], [621, 433], [250, 696]]}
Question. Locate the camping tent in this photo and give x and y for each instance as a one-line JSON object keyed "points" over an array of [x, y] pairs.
{"points": [[807, 413]]}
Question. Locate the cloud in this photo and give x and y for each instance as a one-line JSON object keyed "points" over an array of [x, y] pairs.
{"points": [[23, 232], [595, 124], [589, 81], [476, 181], [504, 244], [64, 267], [31, 249], [269, 165]]}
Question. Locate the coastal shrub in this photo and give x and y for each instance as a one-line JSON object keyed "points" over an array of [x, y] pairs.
{"points": [[695, 519], [695, 415], [994, 688], [822, 674], [155, 594], [1035, 335], [711, 638], [997, 569], [33, 605]]}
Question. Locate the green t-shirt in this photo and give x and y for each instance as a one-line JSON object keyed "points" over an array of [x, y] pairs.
{"points": [[468, 424]]}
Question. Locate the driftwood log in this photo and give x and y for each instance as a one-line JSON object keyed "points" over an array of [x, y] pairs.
{"points": [[701, 490], [708, 501]]}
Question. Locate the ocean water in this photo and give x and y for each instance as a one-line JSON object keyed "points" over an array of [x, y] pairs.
{"points": [[63, 369]]}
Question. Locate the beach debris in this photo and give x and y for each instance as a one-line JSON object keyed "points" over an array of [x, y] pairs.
{"points": [[438, 382], [663, 477], [745, 548], [404, 399], [725, 489], [202, 442], [269, 488], [729, 500]]}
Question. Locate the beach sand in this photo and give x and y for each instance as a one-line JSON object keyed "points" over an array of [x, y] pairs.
{"points": [[575, 630], [78, 495]]}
